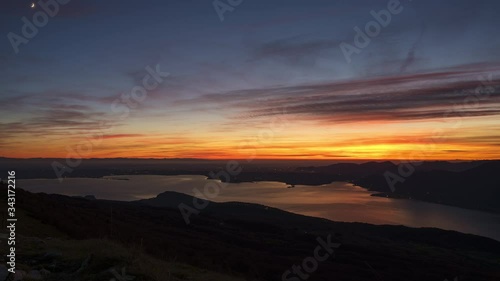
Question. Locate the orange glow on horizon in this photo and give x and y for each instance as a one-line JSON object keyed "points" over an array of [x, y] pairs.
{"points": [[475, 139], [382, 151]]}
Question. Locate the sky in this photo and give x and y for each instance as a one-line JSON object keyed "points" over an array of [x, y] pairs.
{"points": [[247, 79]]}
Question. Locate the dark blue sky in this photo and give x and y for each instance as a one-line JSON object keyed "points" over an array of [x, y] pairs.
{"points": [[91, 51], [259, 43]]}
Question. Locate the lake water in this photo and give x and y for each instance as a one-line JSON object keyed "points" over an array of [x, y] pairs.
{"points": [[337, 201]]}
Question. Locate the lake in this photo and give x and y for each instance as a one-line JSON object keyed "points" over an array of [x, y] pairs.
{"points": [[338, 201]]}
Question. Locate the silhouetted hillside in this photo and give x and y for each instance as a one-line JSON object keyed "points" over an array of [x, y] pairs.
{"points": [[351, 170], [261, 243], [475, 188]]}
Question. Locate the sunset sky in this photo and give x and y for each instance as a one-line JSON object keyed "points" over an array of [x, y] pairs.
{"points": [[268, 81]]}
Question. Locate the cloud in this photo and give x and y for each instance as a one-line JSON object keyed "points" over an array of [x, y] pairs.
{"points": [[63, 121], [120, 136], [410, 57], [419, 96]]}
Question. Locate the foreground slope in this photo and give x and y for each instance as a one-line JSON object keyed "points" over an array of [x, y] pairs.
{"points": [[260, 243]]}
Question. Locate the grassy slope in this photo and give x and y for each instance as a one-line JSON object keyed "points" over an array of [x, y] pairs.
{"points": [[36, 240]]}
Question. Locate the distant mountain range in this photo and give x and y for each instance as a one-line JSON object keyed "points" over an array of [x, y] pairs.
{"points": [[467, 184], [474, 184], [369, 168], [470, 185]]}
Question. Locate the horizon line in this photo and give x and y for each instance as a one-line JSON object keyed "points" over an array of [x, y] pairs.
{"points": [[251, 160]]}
